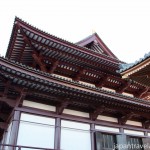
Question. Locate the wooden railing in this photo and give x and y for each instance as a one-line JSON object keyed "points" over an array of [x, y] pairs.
{"points": [[19, 147]]}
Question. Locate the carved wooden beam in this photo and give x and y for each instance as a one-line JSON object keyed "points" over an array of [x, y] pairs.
{"points": [[123, 87], [102, 81], [126, 117], [79, 74], [3, 125], [54, 66], [96, 112], [142, 92], [60, 108]]}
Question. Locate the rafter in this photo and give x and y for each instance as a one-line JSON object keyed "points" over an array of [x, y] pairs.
{"points": [[22, 50], [96, 112]]}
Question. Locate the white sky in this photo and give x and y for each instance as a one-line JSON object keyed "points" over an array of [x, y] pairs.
{"points": [[123, 25]]}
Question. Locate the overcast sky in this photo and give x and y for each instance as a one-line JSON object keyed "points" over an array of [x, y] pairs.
{"points": [[123, 25]]}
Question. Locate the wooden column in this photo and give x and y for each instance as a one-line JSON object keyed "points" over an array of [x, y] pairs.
{"points": [[15, 128], [92, 127], [57, 133], [122, 142]]}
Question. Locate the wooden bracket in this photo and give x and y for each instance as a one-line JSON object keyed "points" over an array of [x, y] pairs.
{"points": [[142, 92], [38, 60], [22, 97], [126, 117], [123, 87], [96, 112], [60, 108], [54, 66], [79, 74], [102, 81]]}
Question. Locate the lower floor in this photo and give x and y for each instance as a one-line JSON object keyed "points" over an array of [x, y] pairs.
{"points": [[31, 128]]}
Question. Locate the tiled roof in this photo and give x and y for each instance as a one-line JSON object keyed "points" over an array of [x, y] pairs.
{"points": [[124, 67], [62, 40], [89, 90]]}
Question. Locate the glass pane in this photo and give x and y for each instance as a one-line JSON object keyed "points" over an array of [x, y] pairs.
{"points": [[36, 135], [37, 119], [75, 125], [135, 143], [36, 131], [75, 140], [108, 141]]}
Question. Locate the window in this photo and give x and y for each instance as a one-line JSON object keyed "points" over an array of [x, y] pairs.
{"points": [[36, 131], [134, 143], [75, 136], [105, 141]]}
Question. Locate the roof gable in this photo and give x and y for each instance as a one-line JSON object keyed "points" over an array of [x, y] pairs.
{"points": [[94, 43]]}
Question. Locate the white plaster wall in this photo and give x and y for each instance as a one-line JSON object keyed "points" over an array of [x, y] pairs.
{"points": [[38, 105], [134, 123], [105, 128], [106, 118], [133, 132], [76, 113]]}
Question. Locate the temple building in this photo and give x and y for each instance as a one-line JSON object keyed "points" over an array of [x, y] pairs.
{"points": [[58, 95]]}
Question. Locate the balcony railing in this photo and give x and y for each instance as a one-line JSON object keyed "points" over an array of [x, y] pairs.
{"points": [[19, 147]]}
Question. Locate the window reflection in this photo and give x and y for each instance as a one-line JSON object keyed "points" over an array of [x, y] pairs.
{"points": [[75, 136], [36, 131]]}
